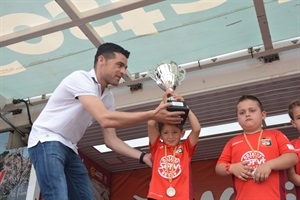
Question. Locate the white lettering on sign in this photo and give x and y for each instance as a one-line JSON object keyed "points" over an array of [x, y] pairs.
{"points": [[140, 22], [197, 6]]}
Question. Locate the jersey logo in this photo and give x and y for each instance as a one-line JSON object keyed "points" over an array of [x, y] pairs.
{"points": [[166, 165], [179, 150], [266, 142], [255, 158]]}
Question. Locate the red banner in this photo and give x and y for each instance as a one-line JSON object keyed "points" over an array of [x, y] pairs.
{"points": [[207, 185], [100, 178]]}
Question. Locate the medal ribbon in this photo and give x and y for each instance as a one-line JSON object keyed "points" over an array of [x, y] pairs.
{"points": [[258, 144], [170, 176]]}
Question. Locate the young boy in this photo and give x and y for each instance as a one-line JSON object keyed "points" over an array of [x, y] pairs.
{"points": [[171, 172], [257, 158], [294, 172]]}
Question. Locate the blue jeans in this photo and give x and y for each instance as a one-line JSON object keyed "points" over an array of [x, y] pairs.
{"points": [[60, 172]]}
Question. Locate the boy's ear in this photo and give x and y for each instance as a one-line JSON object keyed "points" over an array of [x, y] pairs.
{"points": [[293, 123], [264, 114], [182, 133]]}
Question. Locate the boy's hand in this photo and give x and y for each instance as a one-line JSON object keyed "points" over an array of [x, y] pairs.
{"points": [[177, 97], [241, 170], [262, 173], [170, 93]]}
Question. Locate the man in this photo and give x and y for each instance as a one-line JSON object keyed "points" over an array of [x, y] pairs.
{"points": [[80, 99]]}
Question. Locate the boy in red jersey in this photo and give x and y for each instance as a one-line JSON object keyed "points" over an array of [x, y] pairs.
{"points": [[171, 157], [257, 158], [294, 172]]}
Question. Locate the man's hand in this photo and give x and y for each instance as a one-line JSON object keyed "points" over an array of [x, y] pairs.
{"points": [[167, 117], [148, 159], [162, 115]]}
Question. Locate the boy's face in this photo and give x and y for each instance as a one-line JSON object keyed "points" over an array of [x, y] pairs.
{"points": [[171, 134], [296, 121], [250, 116]]}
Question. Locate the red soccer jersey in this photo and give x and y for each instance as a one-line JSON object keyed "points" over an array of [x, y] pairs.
{"points": [[181, 177], [273, 143], [296, 143]]}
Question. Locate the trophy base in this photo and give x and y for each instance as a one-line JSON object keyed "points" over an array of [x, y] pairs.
{"points": [[179, 106]]}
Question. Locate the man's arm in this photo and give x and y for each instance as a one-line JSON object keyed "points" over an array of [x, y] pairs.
{"points": [[116, 144], [116, 119]]}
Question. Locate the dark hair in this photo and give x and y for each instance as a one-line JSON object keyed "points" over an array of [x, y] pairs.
{"points": [[292, 105], [108, 51], [161, 125], [253, 98]]}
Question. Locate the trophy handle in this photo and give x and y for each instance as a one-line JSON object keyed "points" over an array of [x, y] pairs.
{"points": [[151, 73], [182, 73]]}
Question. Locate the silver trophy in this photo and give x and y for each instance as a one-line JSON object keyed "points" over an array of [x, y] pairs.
{"points": [[169, 76]]}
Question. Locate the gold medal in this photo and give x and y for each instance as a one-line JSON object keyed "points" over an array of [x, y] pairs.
{"points": [[171, 192]]}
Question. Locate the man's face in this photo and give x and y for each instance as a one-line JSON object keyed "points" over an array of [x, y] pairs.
{"points": [[112, 70]]}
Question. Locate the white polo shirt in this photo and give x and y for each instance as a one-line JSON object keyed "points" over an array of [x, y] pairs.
{"points": [[64, 118]]}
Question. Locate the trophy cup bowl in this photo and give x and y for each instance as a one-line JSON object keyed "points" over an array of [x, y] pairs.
{"points": [[169, 76]]}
